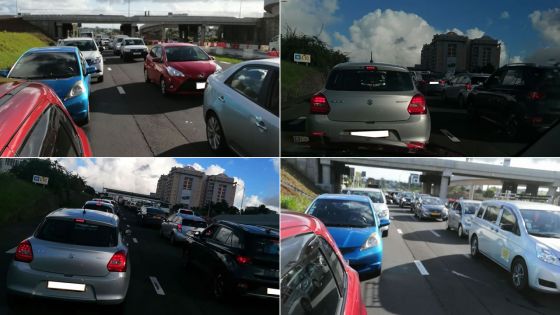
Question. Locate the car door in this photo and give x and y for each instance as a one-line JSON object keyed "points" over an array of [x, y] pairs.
{"points": [[503, 103], [198, 247], [484, 94], [166, 224], [508, 237], [150, 62], [488, 238], [250, 112], [455, 215], [218, 251]]}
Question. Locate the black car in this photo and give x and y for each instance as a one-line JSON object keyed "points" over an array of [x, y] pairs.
{"points": [[406, 199], [521, 99], [151, 216], [432, 84], [457, 89], [239, 259]]}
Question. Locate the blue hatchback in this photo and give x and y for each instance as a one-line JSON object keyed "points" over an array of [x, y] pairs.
{"points": [[64, 70], [355, 227]]}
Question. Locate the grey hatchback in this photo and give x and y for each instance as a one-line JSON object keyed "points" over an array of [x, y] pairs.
{"points": [[369, 103], [75, 254]]}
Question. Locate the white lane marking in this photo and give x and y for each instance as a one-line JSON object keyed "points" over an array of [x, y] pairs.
{"points": [[156, 285], [450, 135], [109, 68], [135, 240], [392, 218], [468, 256], [399, 231], [121, 90], [421, 268], [11, 251], [435, 233], [227, 63]]}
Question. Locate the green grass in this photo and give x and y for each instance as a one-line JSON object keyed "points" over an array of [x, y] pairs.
{"points": [[296, 203], [300, 80], [228, 59], [12, 45]]}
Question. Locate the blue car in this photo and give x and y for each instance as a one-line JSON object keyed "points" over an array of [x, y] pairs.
{"points": [[64, 70], [355, 227]]}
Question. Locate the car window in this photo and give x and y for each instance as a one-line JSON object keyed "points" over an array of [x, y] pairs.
{"points": [[153, 51], [263, 245], [308, 285], [335, 264], [40, 140], [491, 214], [185, 53], [508, 221], [210, 231], [77, 233], [480, 212], [135, 41], [470, 207], [98, 207], [542, 223], [478, 80], [343, 213], [193, 223], [496, 79], [222, 235], [46, 65], [364, 80], [513, 77], [274, 99], [249, 81], [65, 144], [83, 45], [458, 207]]}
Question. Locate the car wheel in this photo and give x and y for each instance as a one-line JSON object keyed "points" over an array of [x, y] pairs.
{"points": [[385, 233], [511, 126], [471, 111], [448, 227], [519, 274], [100, 79], [162, 87], [215, 133], [474, 247], [146, 78], [460, 231], [219, 286], [172, 239]]}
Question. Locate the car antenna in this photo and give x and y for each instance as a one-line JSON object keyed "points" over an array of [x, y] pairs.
{"points": [[371, 57]]}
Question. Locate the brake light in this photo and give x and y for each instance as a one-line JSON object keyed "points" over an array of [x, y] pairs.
{"points": [[318, 133], [441, 82], [370, 68], [180, 228], [468, 86], [535, 96], [242, 260], [80, 220], [414, 145], [24, 252], [417, 105], [117, 263], [319, 104]]}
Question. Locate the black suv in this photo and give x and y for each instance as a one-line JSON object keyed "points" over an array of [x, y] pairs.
{"points": [[522, 99], [240, 259]]}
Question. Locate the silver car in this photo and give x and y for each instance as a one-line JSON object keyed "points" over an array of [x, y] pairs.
{"points": [[521, 237], [177, 226], [369, 103], [74, 254], [458, 88], [460, 216], [241, 108]]}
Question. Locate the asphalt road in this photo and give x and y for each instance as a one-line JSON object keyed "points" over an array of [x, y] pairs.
{"points": [[453, 133], [131, 118], [185, 291], [453, 282]]}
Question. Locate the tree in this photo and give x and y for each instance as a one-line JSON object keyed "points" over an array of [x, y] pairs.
{"points": [[489, 193]]}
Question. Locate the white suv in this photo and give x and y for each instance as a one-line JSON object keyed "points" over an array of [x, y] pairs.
{"points": [[91, 52]]}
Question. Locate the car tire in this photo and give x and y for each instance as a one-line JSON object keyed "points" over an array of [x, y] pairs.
{"points": [[512, 126], [474, 247], [519, 275], [146, 78], [460, 231], [220, 286], [448, 227], [100, 79], [385, 233], [163, 87], [172, 240], [215, 134]]}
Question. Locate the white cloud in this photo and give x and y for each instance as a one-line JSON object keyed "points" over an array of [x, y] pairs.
{"points": [[503, 53], [515, 59], [504, 15], [214, 170], [239, 192], [301, 16], [548, 24], [475, 33]]}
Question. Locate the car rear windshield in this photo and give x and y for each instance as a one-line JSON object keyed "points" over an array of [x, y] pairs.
{"points": [[346, 213], [542, 223], [83, 45], [46, 65], [78, 233], [263, 245], [186, 212], [549, 77], [364, 80], [133, 42], [154, 211], [193, 223], [375, 196], [470, 207], [185, 53], [98, 207], [431, 201]]}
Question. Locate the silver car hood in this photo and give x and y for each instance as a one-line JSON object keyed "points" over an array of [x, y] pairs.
{"points": [[553, 243]]}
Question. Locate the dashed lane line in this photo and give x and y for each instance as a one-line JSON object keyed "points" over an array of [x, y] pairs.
{"points": [[399, 231], [11, 251], [435, 233], [157, 286], [450, 135], [135, 240], [121, 90], [421, 268]]}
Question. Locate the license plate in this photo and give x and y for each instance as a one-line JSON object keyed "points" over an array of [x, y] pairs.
{"points": [[300, 139], [434, 83], [66, 286], [435, 214], [272, 291], [371, 134], [200, 85], [136, 54]]}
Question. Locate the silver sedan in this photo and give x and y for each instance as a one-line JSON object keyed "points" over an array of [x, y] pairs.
{"points": [[369, 103], [75, 254]]}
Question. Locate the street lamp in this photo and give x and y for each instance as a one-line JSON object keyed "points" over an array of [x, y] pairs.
{"points": [[240, 3]]}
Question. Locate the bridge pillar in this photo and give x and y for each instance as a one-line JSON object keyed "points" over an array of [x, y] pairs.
{"points": [[509, 186], [444, 184], [202, 35], [126, 29], [326, 179], [532, 189]]}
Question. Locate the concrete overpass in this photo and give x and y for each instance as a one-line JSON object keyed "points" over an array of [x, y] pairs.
{"points": [[327, 173]]}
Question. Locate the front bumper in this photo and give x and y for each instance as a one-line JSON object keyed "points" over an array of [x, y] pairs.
{"points": [[78, 106], [365, 262], [111, 289], [183, 85], [433, 215], [548, 274], [132, 55]]}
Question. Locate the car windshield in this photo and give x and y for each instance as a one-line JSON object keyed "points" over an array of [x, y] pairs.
{"points": [[470, 207], [432, 201], [83, 45], [133, 42], [375, 196], [344, 213], [46, 65], [98, 207], [407, 195], [363, 80], [78, 233], [193, 223], [542, 223], [185, 53], [154, 211]]}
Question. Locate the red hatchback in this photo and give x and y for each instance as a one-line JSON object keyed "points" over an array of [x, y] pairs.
{"points": [[315, 277], [34, 122], [179, 68]]}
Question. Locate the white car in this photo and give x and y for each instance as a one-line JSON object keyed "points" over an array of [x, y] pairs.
{"points": [[116, 44], [521, 237], [378, 198], [132, 48], [90, 51]]}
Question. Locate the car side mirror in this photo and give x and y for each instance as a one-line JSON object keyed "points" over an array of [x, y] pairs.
{"points": [[4, 73], [384, 222], [506, 227], [213, 58], [90, 70], [156, 59], [197, 234]]}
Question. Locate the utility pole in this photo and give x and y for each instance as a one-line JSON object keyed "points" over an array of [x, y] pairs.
{"points": [[240, 3], [128, 8], [17, 9]]}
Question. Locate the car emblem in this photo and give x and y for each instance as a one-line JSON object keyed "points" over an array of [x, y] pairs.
{"points": [[201, 75], [369, 102]]}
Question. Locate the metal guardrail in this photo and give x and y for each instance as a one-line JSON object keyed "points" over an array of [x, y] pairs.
{"points": [[299, 191]]}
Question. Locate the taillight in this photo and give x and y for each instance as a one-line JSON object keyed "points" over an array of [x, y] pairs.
{"points": [[370, 68], [242, 260], [417, 105], [180, 228], [468, 86], [24, 252], [80, 220], [117, 263], [535, 96], [441, 82], [415, 145], [319, 104]]}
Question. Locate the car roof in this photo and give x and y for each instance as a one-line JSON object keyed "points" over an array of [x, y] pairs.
{"points": [[380, 66], [134, 38], [252, 229], [267, 61], [527, 205], [468, 200], [92, 215], [191, 217], [365, 189], [102, 202], [176, 44], [292, 224], [343, 197], [77, 38], [53, 49]]}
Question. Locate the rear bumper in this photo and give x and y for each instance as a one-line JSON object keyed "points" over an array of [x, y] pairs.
{"points": [[111, 289], [131, 55]]}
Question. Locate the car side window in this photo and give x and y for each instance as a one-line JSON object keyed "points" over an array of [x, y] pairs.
{"points": [[210, 231], [158, 52], [480, 211], [234, 241], [274, 99], [514, 77], [40, 140], [495, 80], [458, 207], [84, 64], [335, 264], [66, 143], [491, 214], [153, 51], [508, 222], [249, 82], [222, 235]]}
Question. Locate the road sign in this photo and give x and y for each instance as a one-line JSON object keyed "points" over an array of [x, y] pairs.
{"points": [[415, 178], [302, 58], [40, 180]]}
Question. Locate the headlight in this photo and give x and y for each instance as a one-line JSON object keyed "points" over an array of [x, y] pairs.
{"points": [[372, 241], [174, 72], [76, 90], [547, 255], [218, 69], [382, 213]]}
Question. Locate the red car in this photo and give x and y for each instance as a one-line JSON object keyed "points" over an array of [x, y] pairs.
{"points": [[315, 277], [179, 68], [34, 122]]}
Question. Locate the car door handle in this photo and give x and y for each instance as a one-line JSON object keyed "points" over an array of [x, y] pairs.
{"points": [[260, 123], [221, 99]]}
